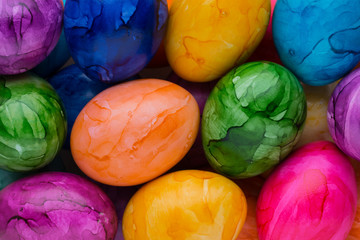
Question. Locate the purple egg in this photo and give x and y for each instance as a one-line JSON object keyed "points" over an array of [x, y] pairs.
{"points": [[29, 31], [344, 114], [195, 157], [56, 206]]}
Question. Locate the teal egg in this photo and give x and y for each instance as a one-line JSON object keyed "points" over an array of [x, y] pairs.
{"points": [[32, 123], [252, 119]]}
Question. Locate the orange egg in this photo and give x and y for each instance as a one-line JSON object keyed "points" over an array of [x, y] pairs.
{"points": [[186, 205], [134, 132], [355, 229]]}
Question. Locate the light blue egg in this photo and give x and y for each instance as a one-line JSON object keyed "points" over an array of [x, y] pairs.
{"points": [[319, 40]]}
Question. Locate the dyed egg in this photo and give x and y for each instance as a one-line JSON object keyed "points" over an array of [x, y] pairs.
{"points": [[29, 31], [57, 58], [205, 39], [266, 49], [316, 127], [252, 119], [32, 122], [75, 90], [344, 114], [312, 195], [195, 157], [113, 40], [188, 204], [134, 132], [317, 40], [56, 206]]}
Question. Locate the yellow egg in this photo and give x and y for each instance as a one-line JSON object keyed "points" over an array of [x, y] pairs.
{"points": [[186, 205], [205, 39]]}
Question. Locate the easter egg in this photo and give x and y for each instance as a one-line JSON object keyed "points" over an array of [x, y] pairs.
{"points": [[344, 114], [200, 91], [75, 90], [57, 58], [312, 195], [317, 40], [205, 39], [29, 31], [316, 127], [32, 122], [56, 206], [188, 204], [113, 40], [134, 132], [266, 50], [252, 119]]}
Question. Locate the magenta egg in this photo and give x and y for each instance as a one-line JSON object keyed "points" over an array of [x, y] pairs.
{"points": [[56, 206], [311, 195]]}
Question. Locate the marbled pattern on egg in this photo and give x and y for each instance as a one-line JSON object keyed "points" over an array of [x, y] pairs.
{"points": [[32, 122], [56, 206], [252, 119], [113, 40], [205, 39], [29, 31], [311, 195], [188, 204], [344, 114], [317, 40]]}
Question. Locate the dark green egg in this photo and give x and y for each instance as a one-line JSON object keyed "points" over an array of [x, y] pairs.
{"points": [[252, 119], [32, 123]]}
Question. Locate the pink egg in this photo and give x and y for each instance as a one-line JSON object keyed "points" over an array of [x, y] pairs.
{"points": [[311, 195]]}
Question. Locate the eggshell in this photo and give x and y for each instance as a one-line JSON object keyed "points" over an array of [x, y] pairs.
{"points": [[134, 132], [252, 119], [311, 195], [355, 228], [188, 204], [32, 122], [317, 40], [29, 31], [56, 206], [344, 115], [113, 40], [205, 39]]}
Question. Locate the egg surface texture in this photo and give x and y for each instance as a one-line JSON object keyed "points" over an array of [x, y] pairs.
{"points": [[317, 40], [32, 122], [56, 206], [186, 205], [135, 131], [205, 39], [252, 119], [311, 195], [29, 31], [113, 40], [344, 115]]}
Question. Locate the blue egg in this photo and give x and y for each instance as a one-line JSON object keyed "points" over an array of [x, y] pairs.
{"points": [[319, 40], [57, 58], [113, 40], [75, 90]]}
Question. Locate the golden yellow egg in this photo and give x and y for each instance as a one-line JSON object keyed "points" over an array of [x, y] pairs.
{"points": [[205, 39], [184, 205]]}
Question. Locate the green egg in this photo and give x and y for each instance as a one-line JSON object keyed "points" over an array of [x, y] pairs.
{"points": [[32, 123], [252, 119]]}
